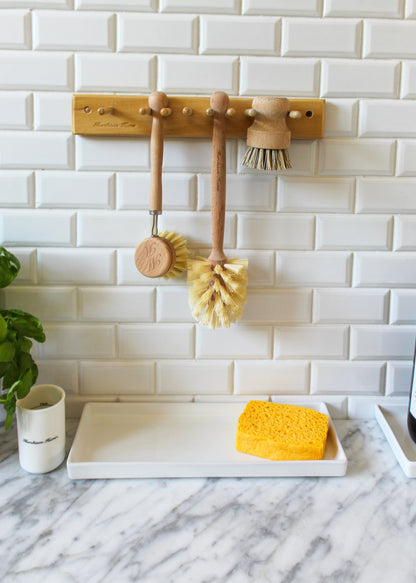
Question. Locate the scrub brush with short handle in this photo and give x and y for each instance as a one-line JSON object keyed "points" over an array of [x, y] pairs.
{"points": [[217, 291], [268, 138], [163, 254]]}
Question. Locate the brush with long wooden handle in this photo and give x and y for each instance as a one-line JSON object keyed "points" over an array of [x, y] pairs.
{"points": [[163, 254], [218, 285]]}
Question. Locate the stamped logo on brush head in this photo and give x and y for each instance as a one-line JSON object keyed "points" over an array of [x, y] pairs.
{"points": [[153, 257]]}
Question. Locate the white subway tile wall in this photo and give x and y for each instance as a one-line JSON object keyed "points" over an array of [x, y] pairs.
{"points": [[287, 7], [260, 231], [116, 377], [15, 27], [74, 31], [197, 74], [17, 188], [278, 76], [408, 90], [355, 78], [156, 33], [179, 191], [216, 6], [125, 72], [387, 118], [331, 243], [321, 38], [52, 111], [398, 378], [390, 40], [239, 35], [36, 150], [341, 117], [15, 110], [379, 9], [29, 70]]}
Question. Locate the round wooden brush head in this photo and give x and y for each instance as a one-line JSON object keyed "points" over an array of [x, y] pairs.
{"points": [[269, 130], [155, 256]]}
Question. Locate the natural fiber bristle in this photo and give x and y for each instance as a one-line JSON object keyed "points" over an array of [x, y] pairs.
{"points": [[261, 159], [217, 294], [179, 243]]}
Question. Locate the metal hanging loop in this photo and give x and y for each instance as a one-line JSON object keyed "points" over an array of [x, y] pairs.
{"points": [[155, 229]]}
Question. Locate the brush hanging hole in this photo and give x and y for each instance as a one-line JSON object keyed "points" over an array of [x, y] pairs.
{"points": [[309, 113]]}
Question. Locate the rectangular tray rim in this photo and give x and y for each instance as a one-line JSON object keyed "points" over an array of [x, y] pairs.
{"points": [[76, 470], [408, 467]]}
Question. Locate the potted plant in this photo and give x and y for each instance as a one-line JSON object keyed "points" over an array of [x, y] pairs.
{"points": [[18, 371]]}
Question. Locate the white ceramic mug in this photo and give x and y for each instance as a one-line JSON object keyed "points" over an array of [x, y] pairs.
{"points": [[41, 429]]}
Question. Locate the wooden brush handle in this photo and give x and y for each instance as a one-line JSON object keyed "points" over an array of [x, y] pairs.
{"points": [[219, 102], [269, 129], [158, 101]]}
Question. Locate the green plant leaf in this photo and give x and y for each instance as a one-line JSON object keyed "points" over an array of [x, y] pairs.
{"points": [[9, 420], [10, 408], [24, 323], [3, 329], [7, 351], [4, 366], [13, 389], [11, 375], [35, 373], [24, 344], [12, 335], [9, 267], [18, 371], [25, 385], [25, 362]]}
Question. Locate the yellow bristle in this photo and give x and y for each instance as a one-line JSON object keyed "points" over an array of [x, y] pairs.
{"points": [[179, 243], [217, 294], [209, 316], [223, 311]]}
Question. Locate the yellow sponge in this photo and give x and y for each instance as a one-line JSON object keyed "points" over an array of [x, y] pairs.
{"points": [[282, 432]]}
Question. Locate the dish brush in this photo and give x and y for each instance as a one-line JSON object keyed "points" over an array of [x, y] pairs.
{"points": [[217, 291], [268, 138], [164, 254]]}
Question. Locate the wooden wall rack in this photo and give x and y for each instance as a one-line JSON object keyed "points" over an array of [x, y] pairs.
{"points": [[129, 115]]}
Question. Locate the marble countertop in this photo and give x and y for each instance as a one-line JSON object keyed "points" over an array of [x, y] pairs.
{"points": [[357, 528]]}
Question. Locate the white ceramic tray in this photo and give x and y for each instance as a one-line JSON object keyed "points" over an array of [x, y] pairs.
{"points": [[393, 422], [176, 440]]}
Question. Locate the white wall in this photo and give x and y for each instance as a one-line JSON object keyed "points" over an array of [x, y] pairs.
{"points": [[331, 244]]}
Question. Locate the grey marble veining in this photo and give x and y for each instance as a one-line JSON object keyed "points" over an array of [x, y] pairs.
{"points": [[358, 528]]}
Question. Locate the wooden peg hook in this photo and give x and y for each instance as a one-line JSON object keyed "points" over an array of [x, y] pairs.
{"points": [[105, 110]]}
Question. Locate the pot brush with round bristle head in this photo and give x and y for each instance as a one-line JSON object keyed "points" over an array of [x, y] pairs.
{"points": [[217, 292], [268, 138], [163, 254]]}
